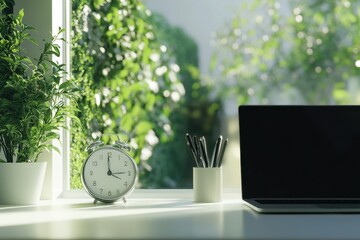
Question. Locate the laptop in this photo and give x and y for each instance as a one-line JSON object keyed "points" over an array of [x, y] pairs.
{"points": [[300, 158]]}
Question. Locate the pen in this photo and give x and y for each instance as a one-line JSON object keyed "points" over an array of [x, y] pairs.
{"points": [[204, 150], [192, 149], [191, 143], [198, 151], [222, 152], [216, 151]]}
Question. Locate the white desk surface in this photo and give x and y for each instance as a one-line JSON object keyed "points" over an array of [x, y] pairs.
{"points": [[148, 216]]}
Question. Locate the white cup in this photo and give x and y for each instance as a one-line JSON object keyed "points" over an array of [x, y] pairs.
{"points": [[207, 184]]}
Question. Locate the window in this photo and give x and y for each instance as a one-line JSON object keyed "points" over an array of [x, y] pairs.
{"points": [[285, 52], [148, 89]]}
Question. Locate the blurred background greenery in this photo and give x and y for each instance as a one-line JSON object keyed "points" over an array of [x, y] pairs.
{"points": [[301, 52], [141, 78]]}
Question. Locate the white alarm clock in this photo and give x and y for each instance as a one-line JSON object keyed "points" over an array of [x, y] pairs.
{"points": [[109, 173]]}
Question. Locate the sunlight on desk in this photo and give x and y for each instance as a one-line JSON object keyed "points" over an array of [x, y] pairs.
{"points": [[167, 218], [139, 218]]}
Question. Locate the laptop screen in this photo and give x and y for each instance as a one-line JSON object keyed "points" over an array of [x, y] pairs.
{"points": [[300, 151]]}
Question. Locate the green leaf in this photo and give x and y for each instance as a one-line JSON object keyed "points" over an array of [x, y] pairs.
{"points": [[50, 136], [50, 128], [55, 51], [143, 127], [56, 149], [20, 15], [66, 85]]}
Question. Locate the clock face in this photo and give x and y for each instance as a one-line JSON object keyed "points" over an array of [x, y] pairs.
{"points": [[109, 174]]}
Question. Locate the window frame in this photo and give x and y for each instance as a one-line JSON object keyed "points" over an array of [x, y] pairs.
{"points": [[67, 61]]}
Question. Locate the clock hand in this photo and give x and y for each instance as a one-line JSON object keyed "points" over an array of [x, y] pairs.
{"points": [[109, 173], [115, 176], [119, 173]]}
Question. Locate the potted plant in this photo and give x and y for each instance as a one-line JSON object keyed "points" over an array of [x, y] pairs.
{"points": [[32, 108]]}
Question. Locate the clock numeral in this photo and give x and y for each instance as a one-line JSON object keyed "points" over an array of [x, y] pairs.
{"points": [[125, 163], [126, 184], [101, 190], [94, 183], [129, 173], [91, 173], [109, 193], [109, 154], [95, 163], [118, 192]]}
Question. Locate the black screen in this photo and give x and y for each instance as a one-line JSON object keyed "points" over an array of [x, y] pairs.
{"points": [[300, 151]]}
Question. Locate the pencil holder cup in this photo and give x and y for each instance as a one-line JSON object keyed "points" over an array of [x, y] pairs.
{"points": [[207, 184]]}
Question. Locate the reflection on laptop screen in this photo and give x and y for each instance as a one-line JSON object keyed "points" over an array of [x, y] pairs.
{"points": [[300, 151]]}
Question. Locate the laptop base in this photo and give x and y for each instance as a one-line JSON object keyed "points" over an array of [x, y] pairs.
{"points": [[303, 208]]}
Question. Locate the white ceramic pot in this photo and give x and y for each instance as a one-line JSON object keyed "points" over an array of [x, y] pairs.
{"points": [[21, 183]]}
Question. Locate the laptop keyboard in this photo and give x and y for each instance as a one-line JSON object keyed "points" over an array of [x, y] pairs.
{"points": [[308, 201]]}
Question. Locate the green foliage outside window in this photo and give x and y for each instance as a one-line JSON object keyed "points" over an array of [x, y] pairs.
{"points": [[130, 83], [140, 79], [171, 163], [310, 53]]}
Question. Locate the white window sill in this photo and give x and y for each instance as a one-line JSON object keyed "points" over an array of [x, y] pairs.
{"points": [[153, 193]]}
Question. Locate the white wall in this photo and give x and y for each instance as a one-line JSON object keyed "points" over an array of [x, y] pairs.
{"points": [[41, 24]]}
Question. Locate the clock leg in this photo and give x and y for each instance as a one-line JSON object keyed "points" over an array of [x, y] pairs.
{"points": [[123, 199], [95, 201]]}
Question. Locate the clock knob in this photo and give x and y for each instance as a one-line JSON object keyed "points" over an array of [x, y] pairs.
{"points": [[122, 145], [94, 146]]}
